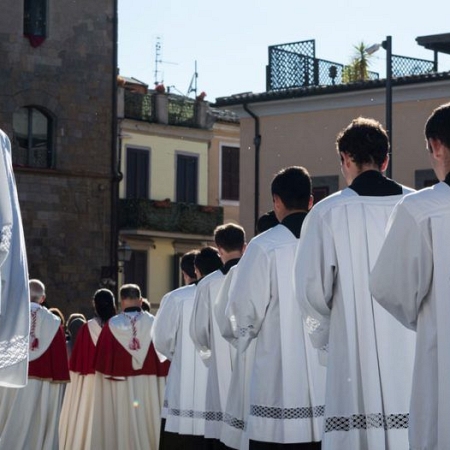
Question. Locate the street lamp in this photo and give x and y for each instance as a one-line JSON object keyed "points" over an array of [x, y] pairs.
{"points": [[387, 45]]}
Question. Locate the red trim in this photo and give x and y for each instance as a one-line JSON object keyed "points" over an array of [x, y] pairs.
{"points": [[83, 353]]}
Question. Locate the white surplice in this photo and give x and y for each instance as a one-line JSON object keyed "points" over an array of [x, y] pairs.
{"points": [[411, 280], [287, 382], [14, 291], [185, 394], [233, 433], [216, 352], [369, 354]]}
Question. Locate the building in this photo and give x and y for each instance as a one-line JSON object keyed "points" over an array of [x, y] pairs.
{"points": [[177, 156], [295, 122], [57, 104]]}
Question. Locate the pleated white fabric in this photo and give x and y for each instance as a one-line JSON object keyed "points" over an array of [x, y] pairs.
{"points": [[33, 427], [120, 421]]}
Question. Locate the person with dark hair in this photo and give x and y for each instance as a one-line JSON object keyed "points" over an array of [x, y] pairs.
{"points": [[183, 424], [216, 351], [369, 356], [75, 425], [411, 280], [206, 261], [73, 326], [285, 400], [29, 416], [129, 380], [266, 221], [237, 404], [146, 306]]}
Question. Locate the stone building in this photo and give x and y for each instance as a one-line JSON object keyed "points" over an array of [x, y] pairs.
{"points": [[57, 104]]}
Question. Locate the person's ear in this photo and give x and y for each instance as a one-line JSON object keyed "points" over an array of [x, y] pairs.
{"points": [[311, 202], [384, 164]]}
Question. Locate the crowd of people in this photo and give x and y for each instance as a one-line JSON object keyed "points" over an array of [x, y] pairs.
{"points": [[328, 330]]}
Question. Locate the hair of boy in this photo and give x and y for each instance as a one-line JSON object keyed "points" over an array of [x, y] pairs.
{"points": [[230, 237], [365, 141], [207, 260], [438, 125], [293, 186], [187, 263]]}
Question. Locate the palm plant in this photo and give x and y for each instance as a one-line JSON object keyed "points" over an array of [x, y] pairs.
{"points": [[358, 69]]}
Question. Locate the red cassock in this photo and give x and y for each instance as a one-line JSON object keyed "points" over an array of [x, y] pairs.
{"points": [[113, 360], [83, 353], [52, 364]]}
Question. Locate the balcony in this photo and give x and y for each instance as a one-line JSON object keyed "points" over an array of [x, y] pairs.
{"points": [[167, 216]]}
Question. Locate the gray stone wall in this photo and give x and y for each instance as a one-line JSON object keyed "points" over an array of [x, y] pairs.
{"points": [[66, 209]]}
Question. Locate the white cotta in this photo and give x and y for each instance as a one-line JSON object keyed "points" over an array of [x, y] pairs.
{"points": [[287, 382], [75, 425], [24, 427], [14, 290], [411, 279], [369, 354], [207, 339], [233, 433], [185, 395]]}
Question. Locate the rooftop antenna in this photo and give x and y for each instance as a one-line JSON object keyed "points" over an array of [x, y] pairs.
{"points": [[158, 60], [193, 84]]}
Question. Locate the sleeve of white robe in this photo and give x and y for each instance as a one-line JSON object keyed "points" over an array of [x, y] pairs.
{"points": [[166, 325], [200, 328], [314, 277], [250, 293], [227, 324], [6, 214], [402, 274]]}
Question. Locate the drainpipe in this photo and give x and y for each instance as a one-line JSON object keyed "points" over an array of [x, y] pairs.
{"points": [[115, 169], [257, 143]]}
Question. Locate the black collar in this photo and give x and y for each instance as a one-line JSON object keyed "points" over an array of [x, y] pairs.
{"points": [[228, 265], [132, 309], [293, 222], [447, 179], [372, 183]]}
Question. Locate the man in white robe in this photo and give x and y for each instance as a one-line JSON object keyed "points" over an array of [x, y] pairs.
{"points": [[369, 355], [233, 433], [129, 380], [14, 291], [218, 353], [183, 425], [287, 382], [411, 280]]}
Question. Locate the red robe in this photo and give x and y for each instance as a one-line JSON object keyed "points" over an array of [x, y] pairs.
{"points": [[113, 360]]}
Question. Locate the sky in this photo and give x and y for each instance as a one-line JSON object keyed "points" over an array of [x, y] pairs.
{"points": [[228, 41]]}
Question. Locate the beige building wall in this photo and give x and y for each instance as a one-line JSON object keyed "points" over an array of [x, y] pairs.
{"points": [[302, 131]]}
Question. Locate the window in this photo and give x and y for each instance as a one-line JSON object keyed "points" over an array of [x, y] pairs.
{"points": [[138, 170], [324, 186], [425, 178], [135, 270], [229, 173], [32, 139], [35, 18], [187, 178]]}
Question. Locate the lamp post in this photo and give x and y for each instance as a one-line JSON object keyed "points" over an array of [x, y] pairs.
{"points": [[387, 45]]}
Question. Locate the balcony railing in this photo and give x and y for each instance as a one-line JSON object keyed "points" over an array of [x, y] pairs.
{"points": [[164, 215]]}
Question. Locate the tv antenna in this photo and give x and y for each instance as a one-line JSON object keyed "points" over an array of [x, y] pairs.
{"points": [[193, 84], [158, 60]]}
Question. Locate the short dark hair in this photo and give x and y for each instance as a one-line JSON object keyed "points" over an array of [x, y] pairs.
{"points": [[365, 141], [266, 221], [293, 186], [230, 237], [104, 304], [438, 125], [131, 291], [207, 260], [187, 263]]}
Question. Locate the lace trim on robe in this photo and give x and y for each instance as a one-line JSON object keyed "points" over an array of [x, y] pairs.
{"points": [[13, 351]]}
